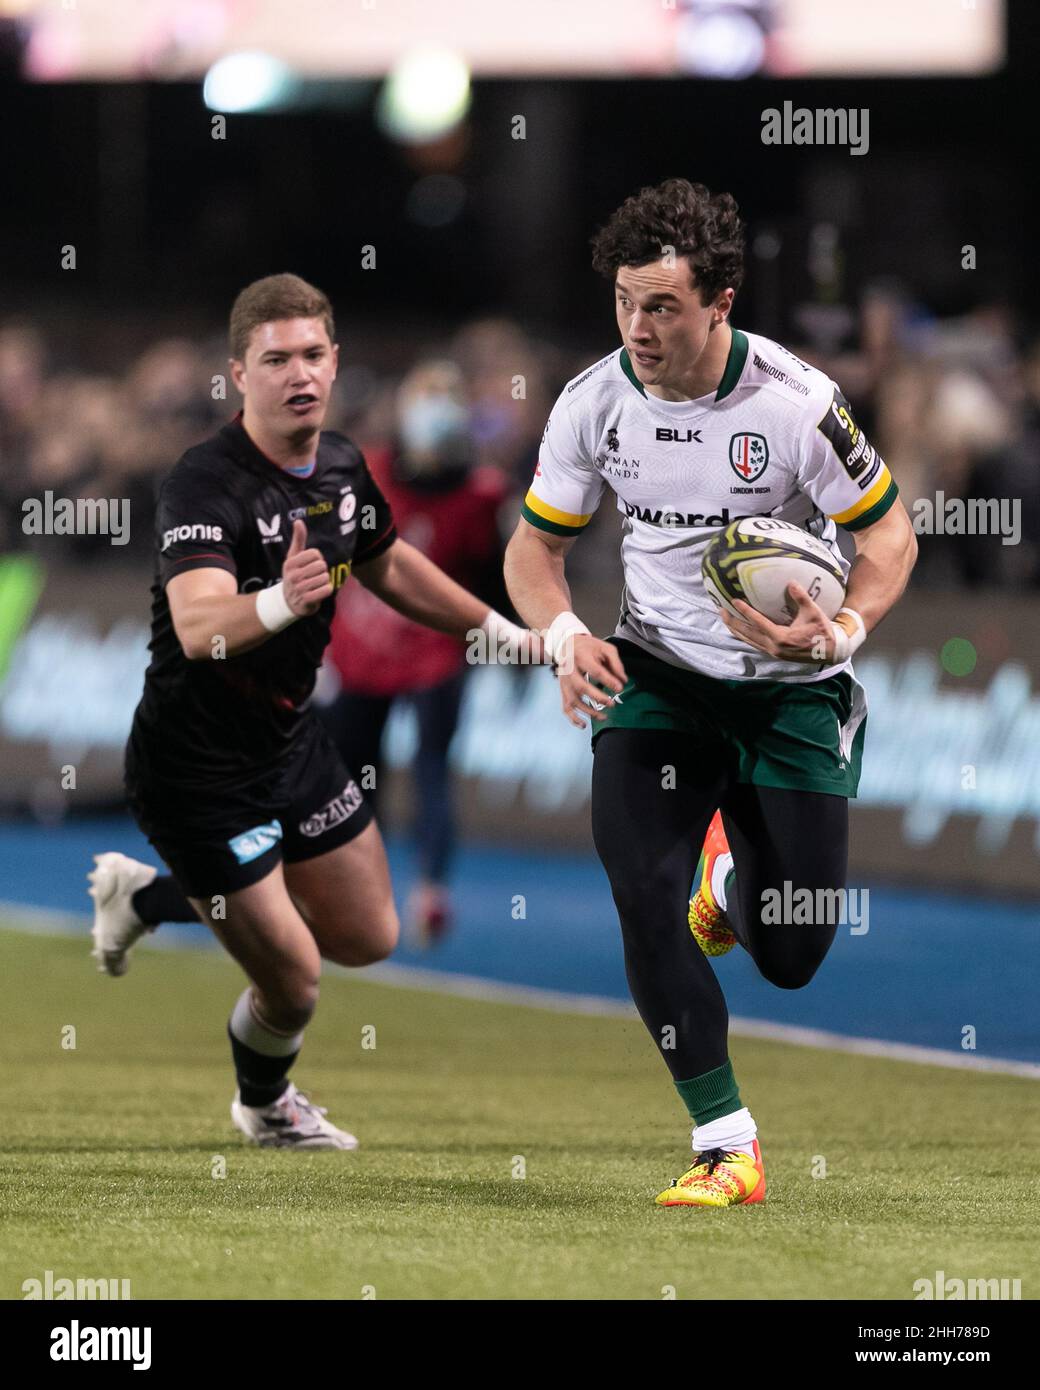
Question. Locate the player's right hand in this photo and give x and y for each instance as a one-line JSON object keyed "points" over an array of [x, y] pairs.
{"points": [[305, 575], [587, 660]]}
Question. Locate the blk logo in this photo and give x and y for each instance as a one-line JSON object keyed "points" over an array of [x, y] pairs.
{"points": [[679, 436], [612, 440]]}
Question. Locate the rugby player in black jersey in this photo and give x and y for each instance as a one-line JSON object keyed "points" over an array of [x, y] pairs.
{"points": [[234, 782]]}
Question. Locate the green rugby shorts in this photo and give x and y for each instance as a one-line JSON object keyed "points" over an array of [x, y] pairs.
{"points": [[800, 736]]}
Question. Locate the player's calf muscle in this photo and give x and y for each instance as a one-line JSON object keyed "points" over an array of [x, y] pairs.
{"points": [[276, 952], [286, 999], [285, 1016], [282, 1006]]}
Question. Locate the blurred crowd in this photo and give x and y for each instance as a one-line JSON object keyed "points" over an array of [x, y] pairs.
{"points": [[953, 405]]}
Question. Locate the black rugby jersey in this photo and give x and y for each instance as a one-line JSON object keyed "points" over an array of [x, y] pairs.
{"points": [[225, 504]]}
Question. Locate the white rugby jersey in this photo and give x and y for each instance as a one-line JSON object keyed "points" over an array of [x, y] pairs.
{"points": [[777, 438]]}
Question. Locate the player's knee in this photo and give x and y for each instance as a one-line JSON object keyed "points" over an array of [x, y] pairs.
{"points": [[650, 906], [375, 943], [383, 939], [639, 889], [788, 974]]}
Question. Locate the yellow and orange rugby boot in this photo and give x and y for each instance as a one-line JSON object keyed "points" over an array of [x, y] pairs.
{"points": [[719, 1178], [707, 920]]}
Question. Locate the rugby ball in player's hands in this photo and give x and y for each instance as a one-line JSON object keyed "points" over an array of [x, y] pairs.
{"points": [[755, 558]]}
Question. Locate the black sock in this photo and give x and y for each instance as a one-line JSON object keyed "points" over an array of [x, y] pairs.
{"points": [[261, 1080], [163, 900]]}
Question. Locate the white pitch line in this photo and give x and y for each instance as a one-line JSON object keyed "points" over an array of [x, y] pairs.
{"points": [[48, 922], [490, 991], [877, 1047], [475, 987]]}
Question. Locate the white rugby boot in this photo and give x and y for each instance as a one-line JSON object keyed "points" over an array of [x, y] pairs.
{"points": [[292, 1122], [113, 882]]}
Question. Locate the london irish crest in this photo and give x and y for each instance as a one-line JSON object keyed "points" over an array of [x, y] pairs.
{"points": [[748, 456]]}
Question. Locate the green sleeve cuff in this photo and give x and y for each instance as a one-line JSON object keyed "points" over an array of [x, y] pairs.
{"points": [[874, 513], [556, 528]]}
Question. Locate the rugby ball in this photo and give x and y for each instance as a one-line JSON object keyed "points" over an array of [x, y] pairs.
{"points": [[755, 558]]}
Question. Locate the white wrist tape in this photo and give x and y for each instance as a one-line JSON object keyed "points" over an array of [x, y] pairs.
{"points": [[562, 627], [272, 609], [848, 636], [497, 626]]}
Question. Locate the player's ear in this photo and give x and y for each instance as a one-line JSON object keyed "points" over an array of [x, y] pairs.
{"points": [[335, 360], [238, 374], [723, 304]]}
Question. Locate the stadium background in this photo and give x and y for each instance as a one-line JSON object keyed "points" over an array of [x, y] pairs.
{"points": [[856, 262]]}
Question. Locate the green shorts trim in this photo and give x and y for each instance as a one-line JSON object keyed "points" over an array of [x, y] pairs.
{"points": [[803, 737]]}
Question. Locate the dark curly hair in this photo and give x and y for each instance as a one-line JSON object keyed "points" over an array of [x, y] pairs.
{"points": [[698, 224]]}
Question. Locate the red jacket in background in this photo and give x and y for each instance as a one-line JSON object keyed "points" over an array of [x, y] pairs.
{"points": [[454, 522]]}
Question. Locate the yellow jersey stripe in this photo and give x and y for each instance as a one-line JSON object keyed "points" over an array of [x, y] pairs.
{"points": [[543, 509], [867, 500]]}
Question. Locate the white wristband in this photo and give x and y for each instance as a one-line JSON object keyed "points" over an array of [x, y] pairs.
{"points": [[845, 642], [563, 626], [500, 627], [515, 641], [272, 609]]}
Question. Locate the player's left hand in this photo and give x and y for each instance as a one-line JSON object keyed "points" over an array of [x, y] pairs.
{"points": [[810, 637]]}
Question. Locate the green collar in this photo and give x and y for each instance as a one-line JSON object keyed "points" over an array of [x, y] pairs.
{"points": [[629, 371], [738, 351]]}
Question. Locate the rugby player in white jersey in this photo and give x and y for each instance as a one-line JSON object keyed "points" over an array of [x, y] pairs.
{"points": [[693, 423]]}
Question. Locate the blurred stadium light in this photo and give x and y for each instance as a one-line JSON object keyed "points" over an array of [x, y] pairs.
{"points": [[724, 38], [248, 82], [425, 96], [111, 39]]}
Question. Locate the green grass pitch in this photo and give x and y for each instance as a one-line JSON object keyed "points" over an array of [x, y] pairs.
{"points": [[110, 1151]]}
